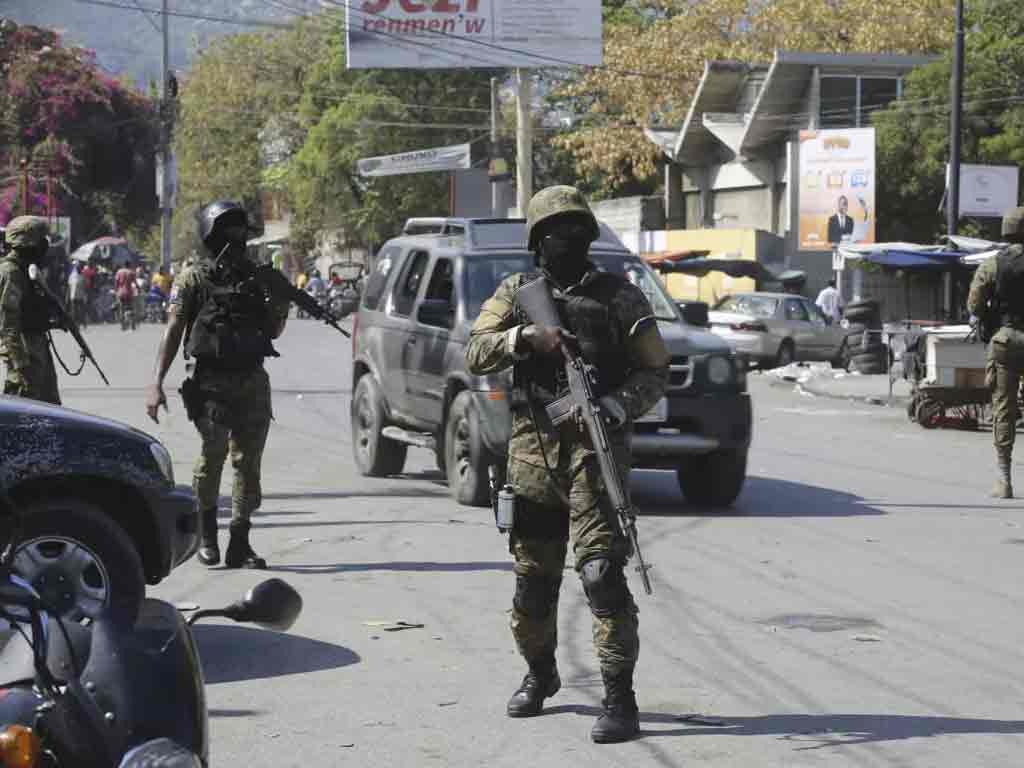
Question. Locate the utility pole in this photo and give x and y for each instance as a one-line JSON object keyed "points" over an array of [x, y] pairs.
{"points": [[495, 186], [524, 140], [957, 86], [165, 145], [24, 186]]}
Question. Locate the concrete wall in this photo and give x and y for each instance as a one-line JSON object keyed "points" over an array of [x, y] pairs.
{"points": [[631, 214]]}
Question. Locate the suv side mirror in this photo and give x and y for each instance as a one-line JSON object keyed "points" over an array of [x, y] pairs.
{"points": [[437, 312], [695, 313]]}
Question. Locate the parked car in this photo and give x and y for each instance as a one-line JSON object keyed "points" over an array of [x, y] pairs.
{"points": [[410, 384], [101, 514], [775, 329]]}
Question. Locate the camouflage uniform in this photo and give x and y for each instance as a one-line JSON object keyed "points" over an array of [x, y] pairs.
{"points": [[590, 522], [1005, 354], [24, 316], [235, 416]]}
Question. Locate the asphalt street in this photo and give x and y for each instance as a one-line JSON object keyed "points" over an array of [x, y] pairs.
{"points": [[860, 606]]}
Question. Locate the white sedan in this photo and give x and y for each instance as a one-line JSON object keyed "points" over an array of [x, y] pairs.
{"points": [[774, 329]]}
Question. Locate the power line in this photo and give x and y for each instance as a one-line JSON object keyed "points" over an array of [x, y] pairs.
{"points": [[186, 15], [152, 23]]}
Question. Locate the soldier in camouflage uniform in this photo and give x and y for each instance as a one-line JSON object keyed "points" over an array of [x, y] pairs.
{"points": [[25, 314], [997, 292], [229, 324], [553, 469]]}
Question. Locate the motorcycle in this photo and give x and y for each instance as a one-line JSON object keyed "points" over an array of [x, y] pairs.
{"points": [[107, 694]]}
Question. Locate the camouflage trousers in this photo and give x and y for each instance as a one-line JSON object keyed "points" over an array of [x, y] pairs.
{"points": [[540, 542], [1004, 382], [37, 380], [235, 419]]}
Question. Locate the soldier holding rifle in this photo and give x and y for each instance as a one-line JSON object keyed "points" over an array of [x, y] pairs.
{"points": [[554, 470]]}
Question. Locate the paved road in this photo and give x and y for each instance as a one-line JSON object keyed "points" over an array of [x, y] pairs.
{"points": [[860, 607]]}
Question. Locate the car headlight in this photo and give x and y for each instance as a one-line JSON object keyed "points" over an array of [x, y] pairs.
{"points": [[163, 461], [719, 371]]}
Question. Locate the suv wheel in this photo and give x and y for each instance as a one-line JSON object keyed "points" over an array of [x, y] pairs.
{"points": [[466, 460], [376, 455], [80, 561], [714, 479]]}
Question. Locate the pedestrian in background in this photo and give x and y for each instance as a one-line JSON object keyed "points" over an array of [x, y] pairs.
{"points": [[76, 295], [830, 303], [124, 286], [997, 299]]}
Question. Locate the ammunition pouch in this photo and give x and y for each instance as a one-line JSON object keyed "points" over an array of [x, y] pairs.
{"points": [[193, 397]]}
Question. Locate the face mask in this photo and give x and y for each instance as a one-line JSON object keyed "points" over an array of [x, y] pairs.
{"points": [[564, 254]]}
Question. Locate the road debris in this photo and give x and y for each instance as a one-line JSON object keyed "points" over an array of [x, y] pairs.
{"points": [[699, 719], [867, 638], [393, 626]]}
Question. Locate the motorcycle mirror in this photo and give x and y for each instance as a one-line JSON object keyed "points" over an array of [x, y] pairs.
{"points": [[272, 604]]}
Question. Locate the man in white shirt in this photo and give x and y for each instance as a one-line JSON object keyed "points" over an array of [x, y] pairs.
{"points": [[830, 302]]}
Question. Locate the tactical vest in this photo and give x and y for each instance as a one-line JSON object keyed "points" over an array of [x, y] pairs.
{"points": [[1010, 286], [36, 315], [588, 313], [229, 332]]}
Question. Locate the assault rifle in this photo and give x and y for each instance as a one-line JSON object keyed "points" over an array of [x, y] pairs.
{"points": [[64, 322], [536, 301], [277, 285]]}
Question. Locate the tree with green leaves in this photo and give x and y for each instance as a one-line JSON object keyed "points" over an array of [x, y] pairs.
{"points": [[913, 135]]}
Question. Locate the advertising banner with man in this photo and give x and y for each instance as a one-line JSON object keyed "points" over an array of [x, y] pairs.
{"points": [[453, 158], [455, 34], [837, 188]]}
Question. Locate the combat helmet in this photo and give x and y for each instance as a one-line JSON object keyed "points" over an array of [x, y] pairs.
{"points": [[218, 215], [1013, 224], [26, 232], [557, 201]]}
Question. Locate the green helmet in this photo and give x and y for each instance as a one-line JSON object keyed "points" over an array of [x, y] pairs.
{"points": [[26, 232], [557, 201], [1013, 223]]}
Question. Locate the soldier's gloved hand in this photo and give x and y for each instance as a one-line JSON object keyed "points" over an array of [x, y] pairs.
{"points": [[614, 411], [544, 340]]}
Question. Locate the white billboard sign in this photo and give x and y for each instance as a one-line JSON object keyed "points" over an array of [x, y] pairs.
{"points": [[987, 190], [837, 188], [458, 34], [454, 158]]}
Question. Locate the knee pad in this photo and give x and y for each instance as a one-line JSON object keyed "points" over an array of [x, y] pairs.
{"points": [[605, 586], [536, 596]]}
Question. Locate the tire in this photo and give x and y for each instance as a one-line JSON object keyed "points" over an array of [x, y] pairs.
{"points": [[713, 479], [466, 460], [70, 542], [375, 455], [786, 353], [842, 358], [863, 304]]}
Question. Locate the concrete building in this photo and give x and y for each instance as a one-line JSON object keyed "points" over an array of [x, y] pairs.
{"points": [[730, 165]]}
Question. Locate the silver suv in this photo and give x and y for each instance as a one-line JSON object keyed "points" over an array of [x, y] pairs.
{"points": [[410, 385]]}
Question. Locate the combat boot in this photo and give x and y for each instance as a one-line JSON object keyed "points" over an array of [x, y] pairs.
{"points": [[240, 554], [1003, 488], [540, 683], [209, 552], [620, 720]]}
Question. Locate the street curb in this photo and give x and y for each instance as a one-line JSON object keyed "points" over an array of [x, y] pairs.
{"points": [[882, 400]]}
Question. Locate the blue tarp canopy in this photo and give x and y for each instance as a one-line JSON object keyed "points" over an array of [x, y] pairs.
{"points": [[899, 259]]}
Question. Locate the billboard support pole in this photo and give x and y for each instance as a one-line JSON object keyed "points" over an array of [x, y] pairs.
{"points": [[495, 189], [957, 86], [524, 140], [166, 212]]}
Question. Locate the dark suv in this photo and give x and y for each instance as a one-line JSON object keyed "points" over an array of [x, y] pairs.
{"points": [[411, 387]]}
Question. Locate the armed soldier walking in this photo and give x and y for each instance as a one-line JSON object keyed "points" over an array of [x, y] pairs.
{"points": [[552, 466], [26, 314], [228, 321], [996, 298]]}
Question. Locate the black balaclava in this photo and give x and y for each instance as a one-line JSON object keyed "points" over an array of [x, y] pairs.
{"points": [[563, 248]]}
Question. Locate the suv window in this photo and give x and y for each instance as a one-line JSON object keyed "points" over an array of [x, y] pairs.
{"points": [[378, 279], [442, 281], [408, 285], [484, 275], [795, 310]]}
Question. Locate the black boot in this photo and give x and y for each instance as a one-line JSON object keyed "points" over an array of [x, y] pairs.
{"points": [[540, 683], [620, 720], [240, 554], [209, 552]]}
